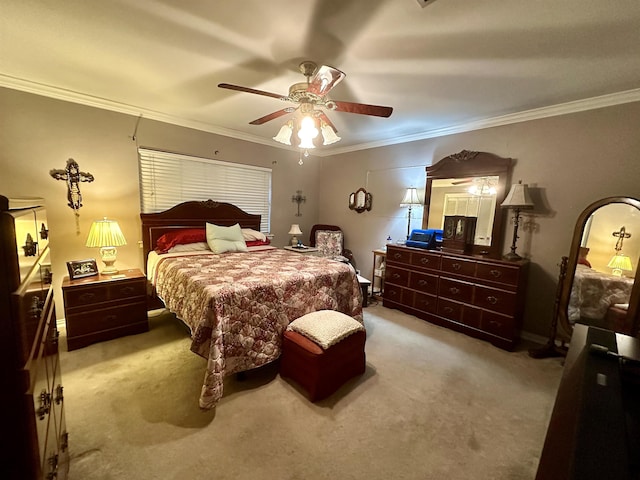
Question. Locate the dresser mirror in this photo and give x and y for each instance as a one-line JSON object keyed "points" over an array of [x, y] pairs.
{"points": [[472, 184], [600, 288]]}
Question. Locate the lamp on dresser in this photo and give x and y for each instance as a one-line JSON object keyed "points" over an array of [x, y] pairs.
{"points": [[106, 235], [517, 199], [410, 200]]}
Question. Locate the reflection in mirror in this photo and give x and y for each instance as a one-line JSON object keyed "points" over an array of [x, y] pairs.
{"points": [[470, 197], [599, 288]]}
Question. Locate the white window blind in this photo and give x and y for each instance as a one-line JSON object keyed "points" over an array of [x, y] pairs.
{"points": [[167, 179]]}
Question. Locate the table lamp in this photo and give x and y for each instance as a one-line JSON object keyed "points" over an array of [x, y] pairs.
{"points": [[618, 263], [410, 199], [517, 199], [107, 235], [295, 230]]}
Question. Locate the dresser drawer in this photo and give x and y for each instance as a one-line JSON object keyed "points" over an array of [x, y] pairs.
{"points": [[424, 282], [425, 302], [397, 255], [497, 273], [103, 292], [90, 321], [120, 290], [498, 325], [459, 266], [85, 296], [397, 276], [455, 290], [393, 293], [426, 260], [450, 310], [496, 300]]}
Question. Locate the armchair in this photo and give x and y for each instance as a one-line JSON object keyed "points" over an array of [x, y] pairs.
{"points": [[329, 240]]}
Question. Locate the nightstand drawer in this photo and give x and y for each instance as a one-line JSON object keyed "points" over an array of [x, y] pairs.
{"points": [[131, 289], [85, 296], [91, 321]]}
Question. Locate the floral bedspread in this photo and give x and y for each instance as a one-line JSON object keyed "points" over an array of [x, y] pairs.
{"points": [[238, 305], [593, 292]]}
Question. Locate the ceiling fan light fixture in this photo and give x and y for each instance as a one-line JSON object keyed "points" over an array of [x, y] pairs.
{"points": [[328, 134], [284, 135], [307, 132]]}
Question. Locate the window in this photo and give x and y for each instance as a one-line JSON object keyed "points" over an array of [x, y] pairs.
{"points": [[167, 179]]}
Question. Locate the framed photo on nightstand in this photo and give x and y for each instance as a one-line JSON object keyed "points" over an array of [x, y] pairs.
{"points": [[82, 268]]}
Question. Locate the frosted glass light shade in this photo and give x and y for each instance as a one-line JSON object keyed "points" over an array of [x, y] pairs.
{"points": [[328, 134], [284, 135]]}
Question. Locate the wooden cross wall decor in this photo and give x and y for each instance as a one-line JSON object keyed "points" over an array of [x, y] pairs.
{"points": [[621, 235], [73, 176]]}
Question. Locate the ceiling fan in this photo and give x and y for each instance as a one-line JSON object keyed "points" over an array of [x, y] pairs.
{"points": [[311, 95]]}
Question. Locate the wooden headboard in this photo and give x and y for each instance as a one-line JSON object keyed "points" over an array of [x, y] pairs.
{"points": [[192, 215]]}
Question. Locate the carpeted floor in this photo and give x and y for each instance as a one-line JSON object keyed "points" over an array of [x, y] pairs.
{"points": [[433, 404]]}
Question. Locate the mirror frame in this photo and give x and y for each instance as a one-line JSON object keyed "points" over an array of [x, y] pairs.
{"points": [[565, 327], [474, 164], [353, 201]]}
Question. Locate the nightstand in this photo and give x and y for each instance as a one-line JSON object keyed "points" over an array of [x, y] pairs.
{"points": [[104, 307]]}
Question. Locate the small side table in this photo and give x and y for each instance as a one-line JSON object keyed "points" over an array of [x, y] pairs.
{"points": [[364, 285], [379, 257], [104, 307]]}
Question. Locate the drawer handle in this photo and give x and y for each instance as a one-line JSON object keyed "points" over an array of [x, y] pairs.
{"points": [[495, 323], [424, 302], [392, 293], [127, 290], [456, 266], [110, 318], [492, 300], [424, 261], [397, 256], [395, 275], [423, 283], [87, 297], [495, 273], [454, 290], [448, 310]]}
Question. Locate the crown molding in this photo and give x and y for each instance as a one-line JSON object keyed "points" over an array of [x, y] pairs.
{"points": [[592, 103]]}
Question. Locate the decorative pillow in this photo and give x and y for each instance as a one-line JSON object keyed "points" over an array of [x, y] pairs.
{"points": [[329, 243], [325, 327], [190, 247], [250, 235], [256, 243], [225, 239], [180, 237]]}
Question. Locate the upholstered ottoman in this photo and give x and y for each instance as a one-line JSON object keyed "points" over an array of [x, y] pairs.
{"points": [[321, 351]]}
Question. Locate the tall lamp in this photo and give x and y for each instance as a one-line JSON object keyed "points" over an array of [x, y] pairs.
{"points": [[107, 235], [410, 199], [295, 230], [517, 199]]}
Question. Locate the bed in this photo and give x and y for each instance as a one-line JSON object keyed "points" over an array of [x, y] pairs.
{"points": [[594, 293], [238, 304]]}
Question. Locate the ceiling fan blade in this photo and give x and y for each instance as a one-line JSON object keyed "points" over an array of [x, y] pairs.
{"points": [[271, 116], [363, 109], [238, 88], [326, 120], [324, 80]]}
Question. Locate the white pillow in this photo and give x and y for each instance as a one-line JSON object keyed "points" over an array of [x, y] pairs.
{"points": [[325, 327], [225, 239], [251, 235]]}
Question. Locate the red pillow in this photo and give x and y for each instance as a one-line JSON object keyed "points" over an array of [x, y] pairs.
{"points": [[180, 237], [257, 243]]}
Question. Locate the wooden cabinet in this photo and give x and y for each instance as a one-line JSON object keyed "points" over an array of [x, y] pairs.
{"points": [[34, 429], [104, 307], [475, 295]]}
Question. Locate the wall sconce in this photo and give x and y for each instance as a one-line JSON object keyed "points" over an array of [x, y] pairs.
{"points": [[298, 198], [517, 199], [107, 235]]}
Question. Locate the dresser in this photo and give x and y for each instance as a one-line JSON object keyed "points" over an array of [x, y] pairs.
{"points": [[34, 427], [481, 297], [104, 307]]}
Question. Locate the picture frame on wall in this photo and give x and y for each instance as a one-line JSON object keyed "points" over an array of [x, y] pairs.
{"points": [[82, 268]]}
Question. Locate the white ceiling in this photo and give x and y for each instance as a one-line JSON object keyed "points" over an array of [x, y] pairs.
{"points": [[453, 66]]}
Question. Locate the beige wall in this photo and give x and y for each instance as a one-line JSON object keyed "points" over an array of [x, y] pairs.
{"points": [[570, 160], [38, 134]]}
